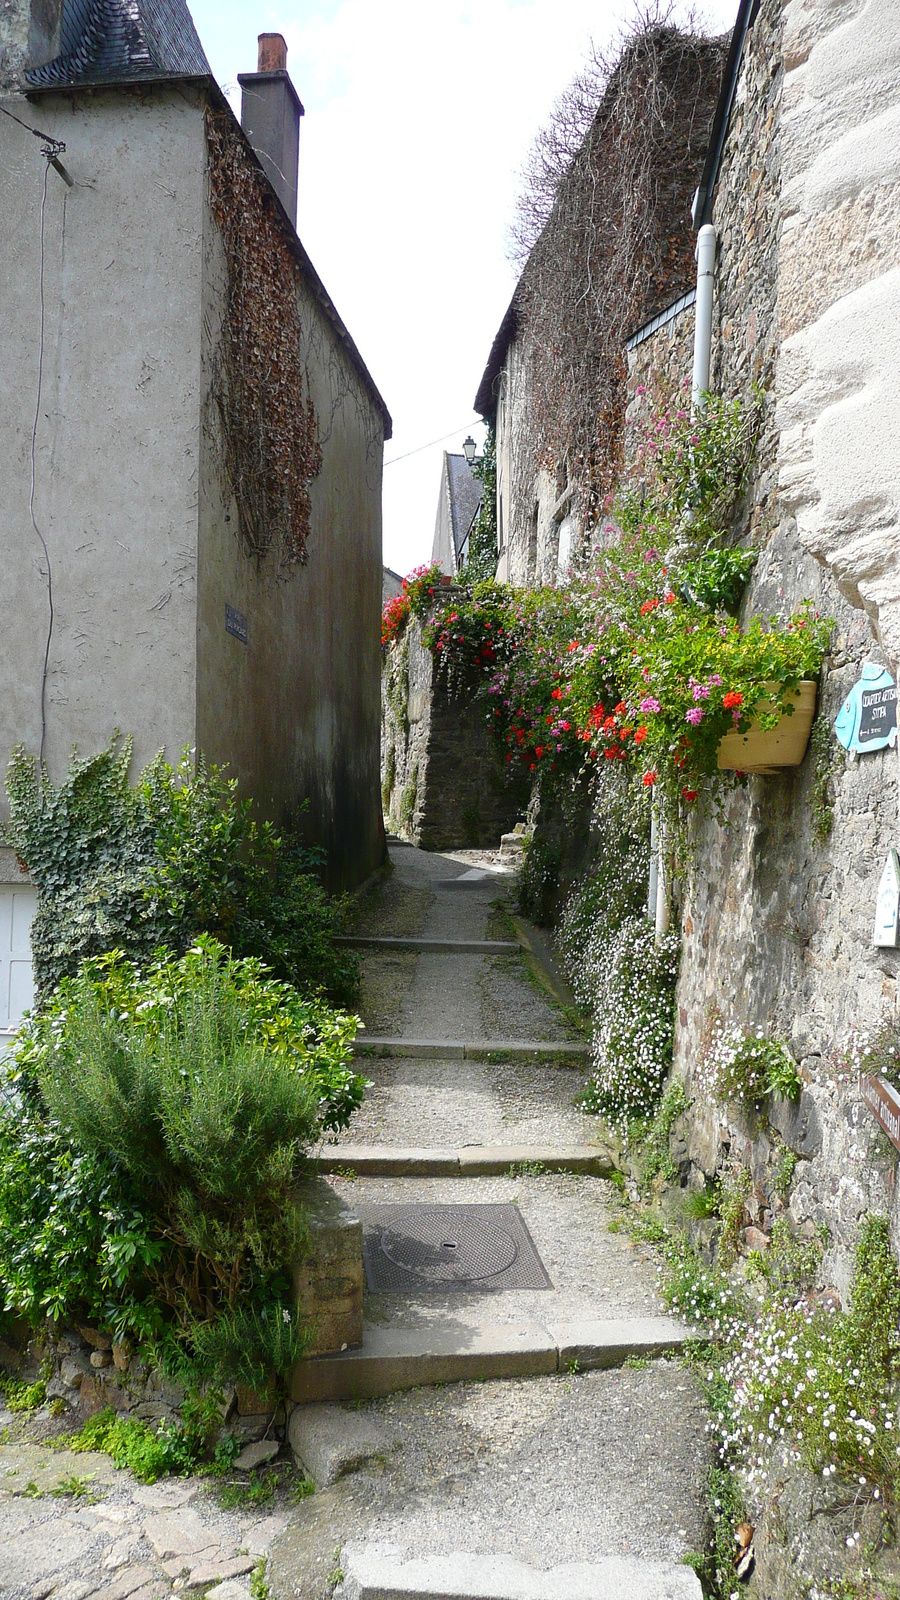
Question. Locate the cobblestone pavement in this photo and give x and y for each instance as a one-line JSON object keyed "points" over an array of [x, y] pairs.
{"points": [[74, 1527]]}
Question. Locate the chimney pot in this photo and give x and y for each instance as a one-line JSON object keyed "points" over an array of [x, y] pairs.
{"points": [[272, 55]]}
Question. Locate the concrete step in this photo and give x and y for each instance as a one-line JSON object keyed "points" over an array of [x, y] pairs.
{"points": [[367, 1044], [381, 1572], [475, 878], [458, 947], [473, 1161], [446, 1351]]}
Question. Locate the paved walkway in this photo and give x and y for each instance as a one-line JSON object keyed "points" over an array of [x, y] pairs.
{"points": [[576, 1485]]}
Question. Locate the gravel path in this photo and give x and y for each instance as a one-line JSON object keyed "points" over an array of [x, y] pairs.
{"points": [[552, 1469]]}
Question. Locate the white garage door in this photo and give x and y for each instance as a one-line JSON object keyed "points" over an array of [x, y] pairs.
{"points": [[17, 906]]}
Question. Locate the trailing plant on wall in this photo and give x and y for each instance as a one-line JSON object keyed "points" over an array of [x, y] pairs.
{"points": [[598, 248], [416, 595], [259, 381], [641, 663], [151, 865]]}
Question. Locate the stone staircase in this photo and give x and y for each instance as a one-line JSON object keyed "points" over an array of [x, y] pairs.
{"points": [[501, 1107]]}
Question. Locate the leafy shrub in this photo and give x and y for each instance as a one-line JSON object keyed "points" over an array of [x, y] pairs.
{"points": [[150, 867], [202, 1084], [73, 1240]]}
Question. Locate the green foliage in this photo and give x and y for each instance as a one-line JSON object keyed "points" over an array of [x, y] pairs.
{"points": [[640, 661], [176, 1448], [22, 1396], [733, 1192], [150, 867], [197, 1089], [260, 1589], [653, 1138], [481, 554], [538, 882], [72, 1235], [878, 1054], [717, 578], [415, 599], [783, 1175]]}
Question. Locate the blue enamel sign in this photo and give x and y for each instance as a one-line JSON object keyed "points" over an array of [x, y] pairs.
{"points": [[868, 718]]}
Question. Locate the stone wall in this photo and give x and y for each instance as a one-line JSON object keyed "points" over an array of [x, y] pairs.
{"points": [[839, 296], [442, 780]]}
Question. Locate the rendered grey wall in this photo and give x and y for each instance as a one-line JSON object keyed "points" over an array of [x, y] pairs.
{"points": [[296, 711], [116, 459]]}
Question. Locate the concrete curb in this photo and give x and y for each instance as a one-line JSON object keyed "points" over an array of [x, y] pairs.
{"points": [[474, 1161], [380, 1572], [459, 947], [471, 1049], [405, 1358]]}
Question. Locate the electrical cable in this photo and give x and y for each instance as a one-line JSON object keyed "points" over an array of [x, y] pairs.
{"points": [[432, 442]]}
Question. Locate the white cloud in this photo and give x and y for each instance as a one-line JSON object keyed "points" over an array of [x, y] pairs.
{"points": [[418, 119]]}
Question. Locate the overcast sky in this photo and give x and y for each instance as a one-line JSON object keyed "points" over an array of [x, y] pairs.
{"points": [[419, 116]]}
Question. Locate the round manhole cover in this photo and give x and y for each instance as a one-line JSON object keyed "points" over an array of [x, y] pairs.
{"points": [[438, 1250]]}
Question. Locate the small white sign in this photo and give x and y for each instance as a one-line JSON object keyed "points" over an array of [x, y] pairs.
{"points": [[887, 905]]}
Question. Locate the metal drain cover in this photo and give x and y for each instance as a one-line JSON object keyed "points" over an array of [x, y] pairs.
{"points": [[435, 1248]]}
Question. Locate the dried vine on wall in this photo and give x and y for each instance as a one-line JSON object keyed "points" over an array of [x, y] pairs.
{"points": [[603, 234], [259, 385]]}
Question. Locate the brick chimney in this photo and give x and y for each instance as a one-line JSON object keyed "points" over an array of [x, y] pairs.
{"points": [[270, 117]]}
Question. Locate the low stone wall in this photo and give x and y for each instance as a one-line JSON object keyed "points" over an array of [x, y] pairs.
{"points": [[443, 783]]}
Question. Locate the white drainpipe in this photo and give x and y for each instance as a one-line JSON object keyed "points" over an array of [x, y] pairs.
{"points": [[706, 277], [658, 897]]}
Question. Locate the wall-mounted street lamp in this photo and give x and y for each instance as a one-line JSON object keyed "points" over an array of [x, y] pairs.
{"points": [[469, 448]]}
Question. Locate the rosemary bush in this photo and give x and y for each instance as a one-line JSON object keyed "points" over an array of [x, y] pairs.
{"points": [[194, 1091]]}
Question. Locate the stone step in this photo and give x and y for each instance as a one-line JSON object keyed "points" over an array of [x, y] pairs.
{"points": [[447, 1351], [472, 1049], [381, 1572], [473, 1161], [459, 947]]}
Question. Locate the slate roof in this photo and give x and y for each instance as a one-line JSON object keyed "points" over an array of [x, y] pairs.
{"points": [[123, 41], [465, 497]]}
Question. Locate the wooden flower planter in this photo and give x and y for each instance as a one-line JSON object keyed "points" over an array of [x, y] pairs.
{"points": [[768, 750]]}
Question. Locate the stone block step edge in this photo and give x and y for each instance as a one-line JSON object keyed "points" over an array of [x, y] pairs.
{"points": [[391, 1359], [462, 947], [498, 1050], [372, 1572], [474, 1161]]}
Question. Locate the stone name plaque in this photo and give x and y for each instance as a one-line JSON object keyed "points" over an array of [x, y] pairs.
{"points": [[884, 1103]]}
